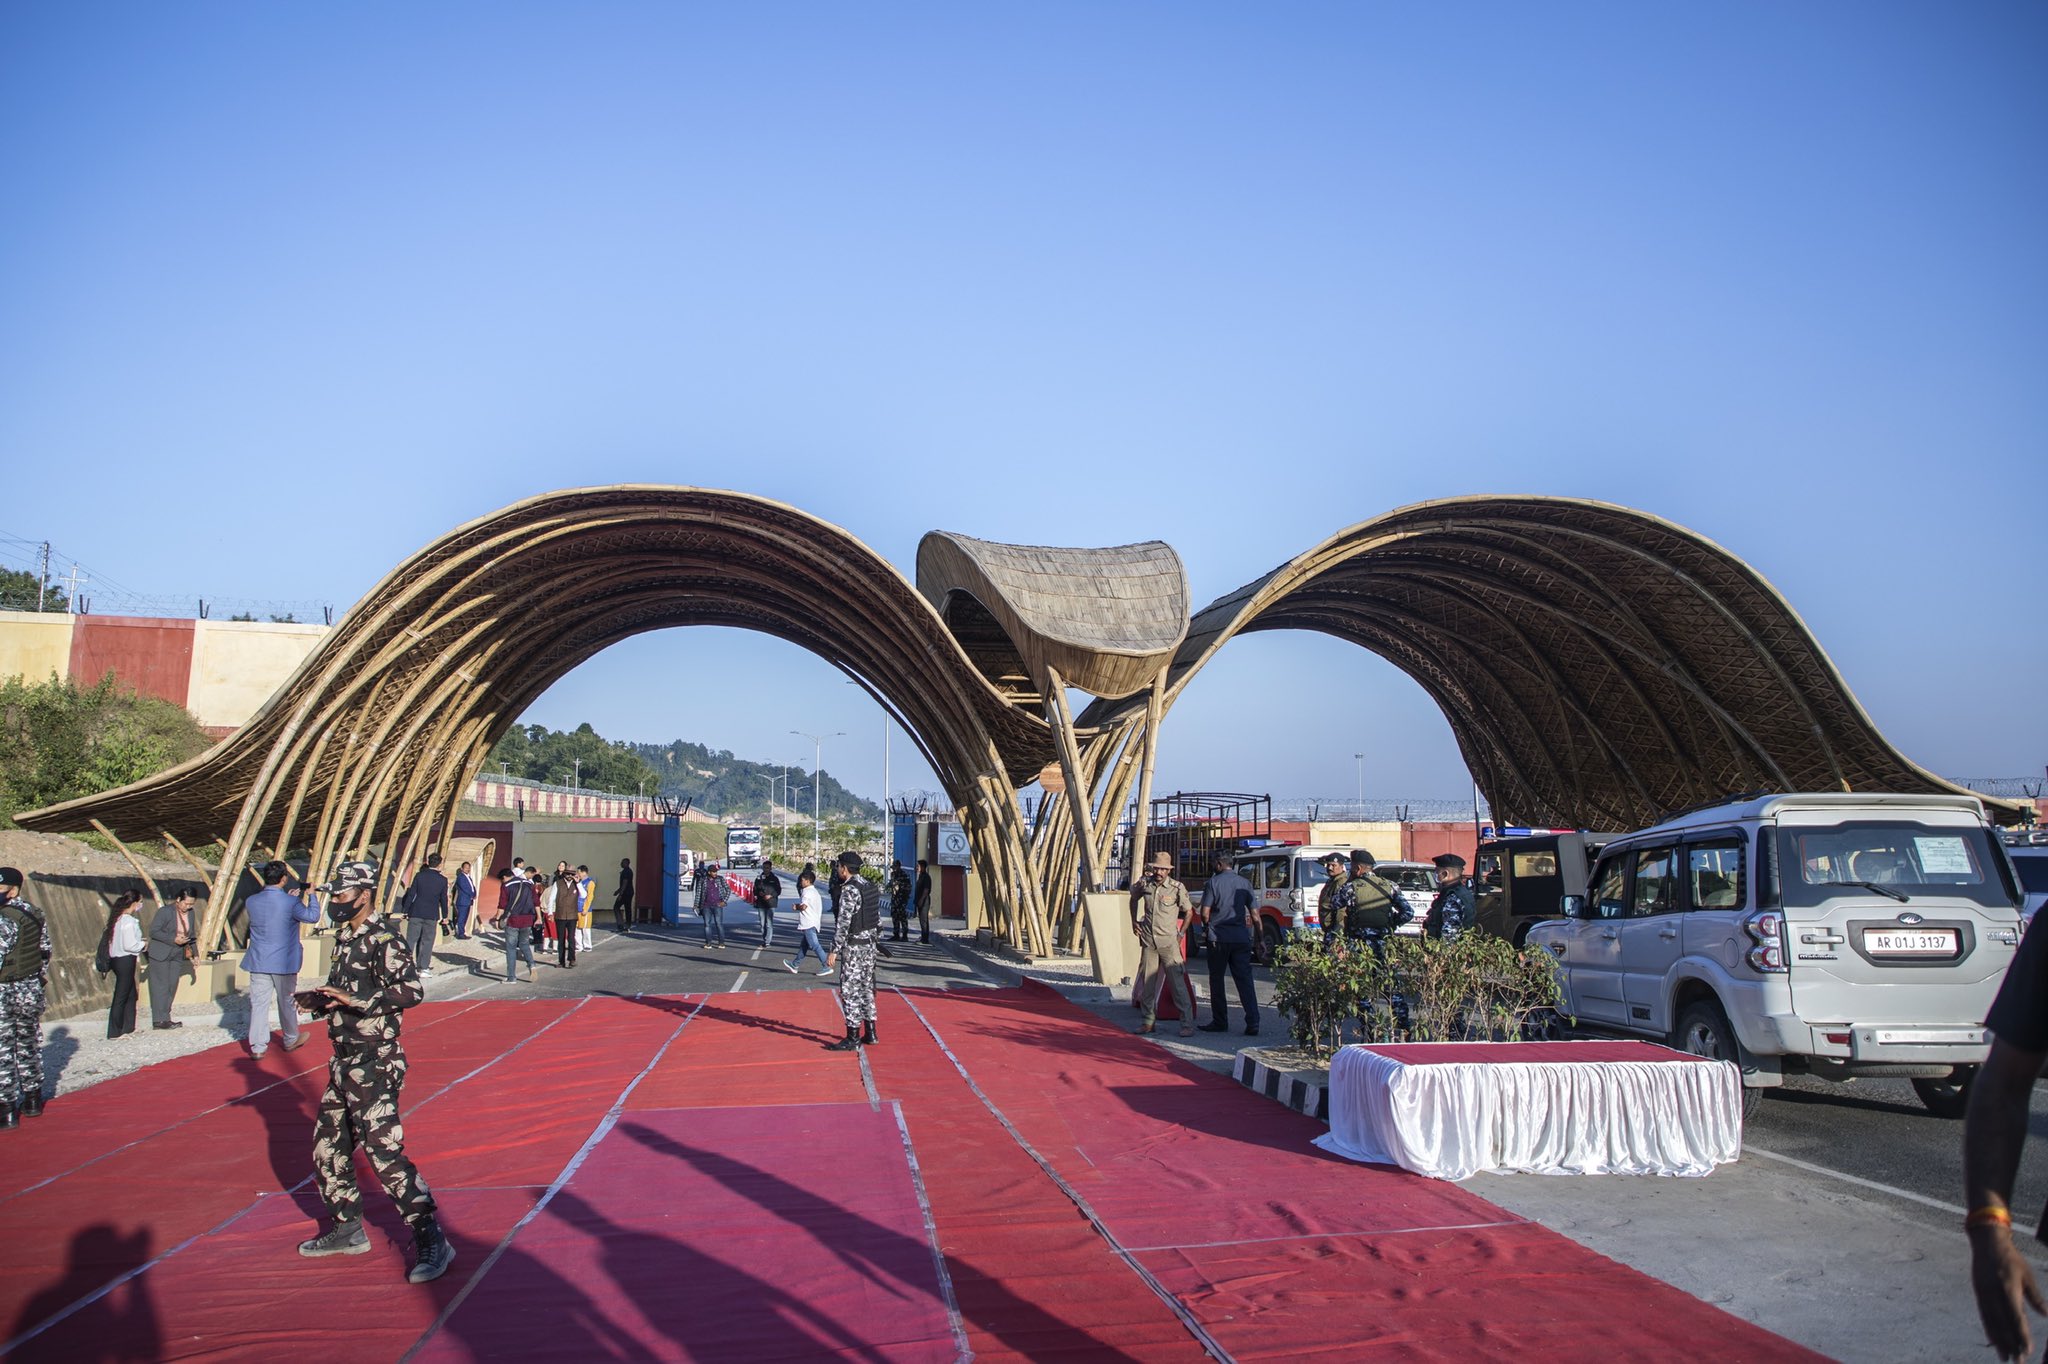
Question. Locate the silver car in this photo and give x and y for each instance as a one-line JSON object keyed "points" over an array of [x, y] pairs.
{"points": [[1833, 934]]}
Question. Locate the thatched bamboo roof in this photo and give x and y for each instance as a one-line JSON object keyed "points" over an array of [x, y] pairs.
{"points": [[1107, 620], [1599, 666]]}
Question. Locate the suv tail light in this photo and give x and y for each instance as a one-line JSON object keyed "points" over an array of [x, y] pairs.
{"points": [[1766, 928]]}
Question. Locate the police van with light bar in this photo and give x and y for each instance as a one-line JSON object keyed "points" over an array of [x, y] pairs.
{"points": [[1834, 934]]}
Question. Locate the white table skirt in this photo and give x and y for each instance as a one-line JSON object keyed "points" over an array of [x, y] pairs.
{"points": [[1450, 1120]]}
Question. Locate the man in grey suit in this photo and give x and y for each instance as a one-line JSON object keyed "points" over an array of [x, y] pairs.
{"points": [[274, 957], [426, 904], [171, 935]]}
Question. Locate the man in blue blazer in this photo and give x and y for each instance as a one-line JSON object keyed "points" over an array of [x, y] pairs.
{"points": [[274, 956]]}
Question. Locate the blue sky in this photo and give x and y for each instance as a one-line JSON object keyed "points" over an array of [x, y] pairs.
{"points": [[287, 291]]}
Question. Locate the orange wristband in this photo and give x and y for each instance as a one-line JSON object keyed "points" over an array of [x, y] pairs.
{"points": [[1989, 1216]]}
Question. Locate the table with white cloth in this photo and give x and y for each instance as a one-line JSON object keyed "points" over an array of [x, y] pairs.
{"points": [[1452, 1109]]}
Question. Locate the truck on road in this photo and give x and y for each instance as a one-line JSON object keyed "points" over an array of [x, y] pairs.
{"points": [[742, 845]]}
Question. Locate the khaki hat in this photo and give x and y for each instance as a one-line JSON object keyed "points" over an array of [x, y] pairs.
{"points": [[1160, 862]]}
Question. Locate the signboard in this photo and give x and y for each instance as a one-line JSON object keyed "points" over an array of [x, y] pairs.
{"points": [[952, 845]]}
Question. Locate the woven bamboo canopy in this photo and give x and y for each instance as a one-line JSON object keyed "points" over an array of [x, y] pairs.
{"points": [[1600, 667], [1105, 620]]}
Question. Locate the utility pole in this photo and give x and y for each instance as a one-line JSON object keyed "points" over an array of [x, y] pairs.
{"points": [[43, 575], [817, 784], [1361, 784], [576, 781], [75, 582]]}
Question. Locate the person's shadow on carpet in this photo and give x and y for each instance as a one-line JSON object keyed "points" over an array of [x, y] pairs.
{"points": [[125, 1324], [58, 1049], [1021, 1323]]}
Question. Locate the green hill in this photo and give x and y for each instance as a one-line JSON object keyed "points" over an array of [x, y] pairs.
{"points": [[715, 783], [735, 788]]}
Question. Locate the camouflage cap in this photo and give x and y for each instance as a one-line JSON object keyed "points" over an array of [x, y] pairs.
{"points": [[351, 876]]}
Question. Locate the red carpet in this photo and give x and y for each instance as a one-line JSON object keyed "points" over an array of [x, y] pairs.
{"points": [[784, 1233], [697, 1179], [1279, 1250]]}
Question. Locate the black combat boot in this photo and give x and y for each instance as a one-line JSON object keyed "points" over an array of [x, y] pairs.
{"points": [[32, 1105], [850, 1042], [343, 1238], [8, 1118], [867, 1033], [434, 1254]]}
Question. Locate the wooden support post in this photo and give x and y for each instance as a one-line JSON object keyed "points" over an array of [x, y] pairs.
{"points": [[1070, 766], [147, 879], [1141, 828]]}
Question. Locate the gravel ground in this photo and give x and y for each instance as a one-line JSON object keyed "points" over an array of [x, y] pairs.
{"points": [[77, 1051]]}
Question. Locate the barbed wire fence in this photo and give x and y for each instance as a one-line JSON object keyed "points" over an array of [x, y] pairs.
{"points": [[84, 590]]}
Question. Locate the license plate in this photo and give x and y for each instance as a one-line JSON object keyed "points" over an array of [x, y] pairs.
{"points": [[1912, 942]]}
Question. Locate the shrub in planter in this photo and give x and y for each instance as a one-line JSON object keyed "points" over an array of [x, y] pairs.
{"points": [[1316, 989], [1478, 988]]}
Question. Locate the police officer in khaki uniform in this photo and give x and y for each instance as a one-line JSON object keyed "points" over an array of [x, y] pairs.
{"points": [[1159, 908]]}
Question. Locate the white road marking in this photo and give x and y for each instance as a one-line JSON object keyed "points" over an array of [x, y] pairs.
{"points": [[1922, 1199], [736, 984]]}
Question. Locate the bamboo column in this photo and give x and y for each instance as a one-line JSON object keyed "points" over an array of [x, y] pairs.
{"points": [[1062, 720], [133, 861]]}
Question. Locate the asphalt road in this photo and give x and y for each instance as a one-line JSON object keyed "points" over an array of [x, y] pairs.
{"points": [[1878, 1130], [663, 960]]}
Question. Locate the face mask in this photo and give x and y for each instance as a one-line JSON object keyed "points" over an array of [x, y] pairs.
{"points": [[341, 913]]}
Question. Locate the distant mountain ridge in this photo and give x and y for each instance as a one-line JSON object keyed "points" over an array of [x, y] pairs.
{"points": [[717, 783]]}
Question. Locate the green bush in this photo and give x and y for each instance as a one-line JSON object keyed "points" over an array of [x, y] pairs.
{"points": [[60, 741], [1479, 988]]}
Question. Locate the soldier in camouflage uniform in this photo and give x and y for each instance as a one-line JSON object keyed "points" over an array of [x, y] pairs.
{"points": [[370, 983], [24, 971], [1368, 910], [1453, 910], [853, 953]]}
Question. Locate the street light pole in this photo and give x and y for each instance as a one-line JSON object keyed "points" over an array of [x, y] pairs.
{"points": [[817, 784], [1361, 784]]}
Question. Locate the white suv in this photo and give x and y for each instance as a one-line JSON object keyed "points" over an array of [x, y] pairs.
{"points": [[1835, 934]]}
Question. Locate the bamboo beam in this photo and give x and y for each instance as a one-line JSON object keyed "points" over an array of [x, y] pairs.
{"points": [[1062, 721], [133, 861]]}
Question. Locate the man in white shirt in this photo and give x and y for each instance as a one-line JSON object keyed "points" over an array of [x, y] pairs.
{"points": [[810, 914]]}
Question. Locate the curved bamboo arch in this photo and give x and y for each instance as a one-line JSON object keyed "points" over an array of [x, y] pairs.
{"points": [[381, 729], [1599, 666]]}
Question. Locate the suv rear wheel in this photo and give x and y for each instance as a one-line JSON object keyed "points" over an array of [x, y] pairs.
{"points": [[1947, 1098], [1703, 1030]]}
